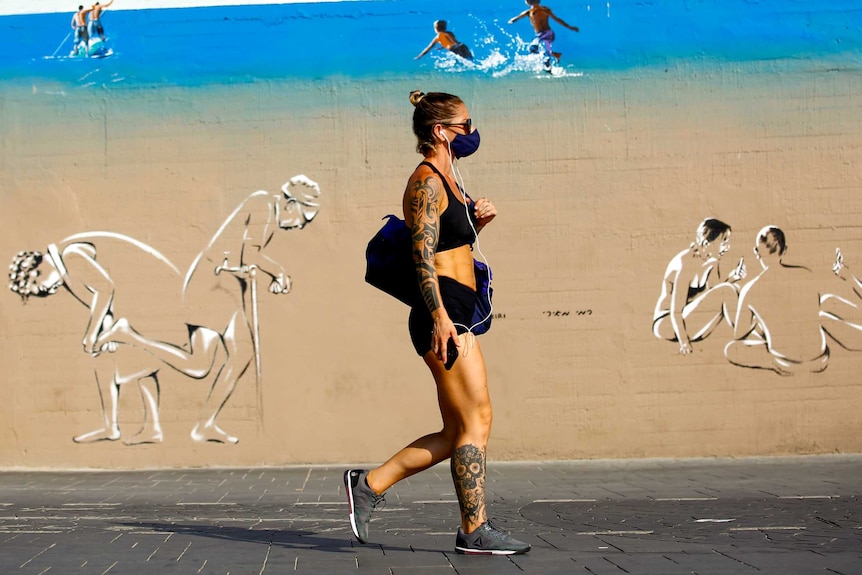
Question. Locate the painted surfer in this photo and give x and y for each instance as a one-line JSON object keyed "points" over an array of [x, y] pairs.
{"points": [[447, 40], [545, 37], [95, 26], [79, 25]]}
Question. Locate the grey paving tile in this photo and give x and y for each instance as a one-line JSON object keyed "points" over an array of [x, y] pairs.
{"points": [[447, 570], [476, 565], [647, 563], [547, 563], [596, 565], [399, 559], [845, 563], [630, 544], [318, 566], [792, 516], [570, 542]]}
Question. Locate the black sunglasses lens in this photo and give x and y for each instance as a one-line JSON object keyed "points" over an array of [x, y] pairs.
{"points": [[467, 125]]}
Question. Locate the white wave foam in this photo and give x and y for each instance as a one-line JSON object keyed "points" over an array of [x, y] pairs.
{"points": [[502, 59]]}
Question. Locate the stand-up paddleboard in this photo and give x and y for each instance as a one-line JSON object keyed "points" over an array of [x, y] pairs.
{"points": [[98, 48], [95, 48]]}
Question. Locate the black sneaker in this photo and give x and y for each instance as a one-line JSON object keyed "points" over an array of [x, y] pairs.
{"points": [[487, 540], [362, 501]]}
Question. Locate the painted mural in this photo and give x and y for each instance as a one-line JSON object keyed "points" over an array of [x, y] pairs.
{"points": [[221, 337], [74, 266], [373, 38], [780, 318], [609, 129]]}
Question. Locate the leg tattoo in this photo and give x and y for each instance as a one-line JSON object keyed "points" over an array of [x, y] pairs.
{"points": [[468, 473]]}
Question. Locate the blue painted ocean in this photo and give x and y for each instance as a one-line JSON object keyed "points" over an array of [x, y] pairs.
{"points": [[379, 39]]}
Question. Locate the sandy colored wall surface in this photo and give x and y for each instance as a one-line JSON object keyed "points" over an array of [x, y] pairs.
{"points": [[600, 181]]}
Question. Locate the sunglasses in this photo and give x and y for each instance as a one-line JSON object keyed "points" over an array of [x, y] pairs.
{"points": [[467, 125]]}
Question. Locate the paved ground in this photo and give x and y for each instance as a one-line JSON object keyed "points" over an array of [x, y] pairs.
{"points": [[787, 516]]}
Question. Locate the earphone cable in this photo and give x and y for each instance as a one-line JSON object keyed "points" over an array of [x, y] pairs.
{"points": [[459, 181]]}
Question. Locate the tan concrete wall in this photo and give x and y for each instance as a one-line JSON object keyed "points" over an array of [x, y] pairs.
{"points": [[599, 181]]}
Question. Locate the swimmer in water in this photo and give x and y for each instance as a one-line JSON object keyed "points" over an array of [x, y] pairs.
{"points": [[448, 41]]}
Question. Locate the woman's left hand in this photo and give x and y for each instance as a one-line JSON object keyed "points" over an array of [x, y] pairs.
{"points": [[484, 211]]}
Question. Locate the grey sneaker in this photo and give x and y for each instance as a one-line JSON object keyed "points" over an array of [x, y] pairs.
{"points": [[487, 540], [361, 500]]}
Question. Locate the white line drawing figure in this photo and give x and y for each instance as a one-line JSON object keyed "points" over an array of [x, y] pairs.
{"points": [[842, 318], [72, 264], [694, 298], [778, 318], [223, 276]]}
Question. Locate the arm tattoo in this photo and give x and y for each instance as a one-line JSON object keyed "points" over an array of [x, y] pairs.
{"points": [[424, 197], [468, 473]]}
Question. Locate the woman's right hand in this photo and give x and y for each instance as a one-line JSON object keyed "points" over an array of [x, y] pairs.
{"points": [[441, 332]]}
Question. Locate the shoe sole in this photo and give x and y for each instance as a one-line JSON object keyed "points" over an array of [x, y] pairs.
{"points": [[348, 488]]}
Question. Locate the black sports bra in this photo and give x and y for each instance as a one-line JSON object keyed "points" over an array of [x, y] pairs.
{"points": [[456, 229]]}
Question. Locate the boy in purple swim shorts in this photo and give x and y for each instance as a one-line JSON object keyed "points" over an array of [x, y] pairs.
{"points": [[539, 16]]}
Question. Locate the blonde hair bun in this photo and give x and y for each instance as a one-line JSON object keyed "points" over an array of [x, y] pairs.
{"points": [[416, 96]]}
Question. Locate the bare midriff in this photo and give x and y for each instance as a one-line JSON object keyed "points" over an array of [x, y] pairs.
{"points": [[457, 264]]}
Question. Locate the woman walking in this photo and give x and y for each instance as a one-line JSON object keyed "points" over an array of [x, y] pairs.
{"points": [[444, 223]]}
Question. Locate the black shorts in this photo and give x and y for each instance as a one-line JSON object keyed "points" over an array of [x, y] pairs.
{"points": [[461, 50], [458, 300]]}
